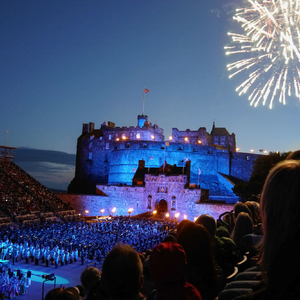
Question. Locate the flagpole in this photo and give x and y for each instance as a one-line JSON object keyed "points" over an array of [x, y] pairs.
{"points": [[145, 91], [143, 101]]}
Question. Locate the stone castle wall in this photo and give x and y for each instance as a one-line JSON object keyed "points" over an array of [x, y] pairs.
{"points": [[242, 165], [132, 199], [114, 162]]}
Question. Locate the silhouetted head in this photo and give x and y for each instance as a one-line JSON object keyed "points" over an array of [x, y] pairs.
{"points": [[209, 223], [122, 273]]}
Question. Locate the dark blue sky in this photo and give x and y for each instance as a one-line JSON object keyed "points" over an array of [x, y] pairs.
{"points": [[64, 63]]}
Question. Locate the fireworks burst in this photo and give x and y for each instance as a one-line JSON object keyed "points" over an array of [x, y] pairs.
{"points": [[269, 48]]}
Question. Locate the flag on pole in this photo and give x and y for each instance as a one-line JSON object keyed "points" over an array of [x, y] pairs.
{"points": [[146, 91]]}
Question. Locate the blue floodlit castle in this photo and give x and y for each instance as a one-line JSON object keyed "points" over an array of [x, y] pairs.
{"points": [[137, 163]]}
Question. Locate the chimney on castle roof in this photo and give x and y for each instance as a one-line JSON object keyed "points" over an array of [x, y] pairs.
{"points": [[91, 126], [142, 164], [85, 128]]}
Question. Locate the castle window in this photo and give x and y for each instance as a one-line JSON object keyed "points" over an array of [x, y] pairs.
{"points": [[138, 135], [123, 136], [107, 146], [173, 204], [109, 137], [145, 145], [91, 137], [180, 148], [100, 138], [195, 150], [149, 202], [90, 155], [128, 145], [247, 157], [90, 145], [116, 147]]}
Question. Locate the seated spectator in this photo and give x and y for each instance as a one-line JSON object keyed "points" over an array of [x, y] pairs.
{"points": [[243, 226], [91, 281], [181, 225], [224, 247], [202, 270], [241, 207], [280, 203], [52, 294], [209, 223], [122, 273], [71, 293], [255, 211], [168, 269], [279, 248]]}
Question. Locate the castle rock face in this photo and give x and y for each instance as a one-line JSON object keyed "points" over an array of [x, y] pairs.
{"points": [[110, 156]]}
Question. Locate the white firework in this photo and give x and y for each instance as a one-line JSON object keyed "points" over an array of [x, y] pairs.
{"points": [[269, 50]]}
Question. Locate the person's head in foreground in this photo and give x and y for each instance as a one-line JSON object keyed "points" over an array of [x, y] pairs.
{"points": [[71, 293], [280, 205], [122, 273], [168, 269], [90, 279], [209, 224]]}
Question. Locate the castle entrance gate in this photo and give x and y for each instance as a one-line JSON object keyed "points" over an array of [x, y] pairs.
{"points": [[161, 206]]}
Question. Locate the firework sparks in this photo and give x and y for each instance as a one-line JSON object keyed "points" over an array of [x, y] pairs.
{"points": [[269, 49]]}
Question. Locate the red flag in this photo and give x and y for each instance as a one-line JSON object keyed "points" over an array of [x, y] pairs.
{"points": [[146, 90]]}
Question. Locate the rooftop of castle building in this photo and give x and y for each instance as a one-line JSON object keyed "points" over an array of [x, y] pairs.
{"points": [[168, 170], [96, 133], [220, 131]]}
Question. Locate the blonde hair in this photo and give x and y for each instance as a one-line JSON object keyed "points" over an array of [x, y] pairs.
{"points": [[280, 205]]}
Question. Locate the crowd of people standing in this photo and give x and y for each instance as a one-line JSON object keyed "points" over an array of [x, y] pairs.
{"points": [[63, 243]]}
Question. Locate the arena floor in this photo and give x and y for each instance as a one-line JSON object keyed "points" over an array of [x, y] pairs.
{"points": [[67, 276]]}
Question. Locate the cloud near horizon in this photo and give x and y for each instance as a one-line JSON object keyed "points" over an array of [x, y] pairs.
{"points": [[53, 169]]}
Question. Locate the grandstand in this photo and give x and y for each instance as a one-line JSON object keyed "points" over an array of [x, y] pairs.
{"points": [[23, 199]]}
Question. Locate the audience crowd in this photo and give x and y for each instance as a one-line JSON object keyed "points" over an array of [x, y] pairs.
{"points": [[249, 253], [21, 194]]}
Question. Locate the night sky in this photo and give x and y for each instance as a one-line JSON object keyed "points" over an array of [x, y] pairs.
{"points": [[64, 63]]}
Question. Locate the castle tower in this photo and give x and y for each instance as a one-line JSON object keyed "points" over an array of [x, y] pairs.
{"points": [[141, 120]]}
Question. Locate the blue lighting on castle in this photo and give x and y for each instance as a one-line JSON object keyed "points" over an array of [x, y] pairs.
{"points": [[108, 164]]}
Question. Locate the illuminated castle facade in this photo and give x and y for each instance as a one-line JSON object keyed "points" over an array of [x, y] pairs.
{"points": [[111, 158]]}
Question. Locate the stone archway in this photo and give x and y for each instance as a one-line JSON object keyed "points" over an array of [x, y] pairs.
{"points": [[161, 206]]}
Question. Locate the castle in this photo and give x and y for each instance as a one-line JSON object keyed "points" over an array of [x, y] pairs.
{"points": [[132, 163]]}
